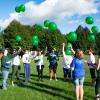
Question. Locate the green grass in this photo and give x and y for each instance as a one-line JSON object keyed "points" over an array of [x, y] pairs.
{"points": [[47, 90]]}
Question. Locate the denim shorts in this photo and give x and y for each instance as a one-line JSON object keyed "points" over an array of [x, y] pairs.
{"points": [[79, 81]]}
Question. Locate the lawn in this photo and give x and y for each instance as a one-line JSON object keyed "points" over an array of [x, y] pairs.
{"points": [[46, 90]]}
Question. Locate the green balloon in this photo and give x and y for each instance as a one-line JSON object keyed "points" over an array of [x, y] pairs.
{"points": [[35, 42], [89, 20], [52, 26], [46, 23], [68, 45], [39, 27], [17, 9], [18, 38], [22, 8], [95, 29], [91, 37], [72, 36], [68, 52], [35, 38]]}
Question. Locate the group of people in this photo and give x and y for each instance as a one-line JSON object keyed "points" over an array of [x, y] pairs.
{"points": [[14, 60], [73, 67]]}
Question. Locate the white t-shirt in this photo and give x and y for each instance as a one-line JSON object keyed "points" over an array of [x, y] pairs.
{"points": [[40, 60], [91, 60], [26, 58], [67, 59], [16, 60]]}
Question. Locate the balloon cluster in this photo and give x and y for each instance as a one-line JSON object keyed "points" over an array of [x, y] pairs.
{"points": [[91, 37], [51, 25], [20, 8], [68, 48], [72, 37], [35, 40]]}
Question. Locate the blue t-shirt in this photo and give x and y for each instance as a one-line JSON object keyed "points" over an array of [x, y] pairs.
{"points": [[78, 65]]}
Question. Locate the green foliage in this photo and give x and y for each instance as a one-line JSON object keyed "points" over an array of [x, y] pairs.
{"points": [[82, 39], [46, 37], [98, 40], [1, 42]]}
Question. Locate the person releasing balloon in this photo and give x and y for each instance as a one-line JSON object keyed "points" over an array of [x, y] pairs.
{"points": [[67, 59]]}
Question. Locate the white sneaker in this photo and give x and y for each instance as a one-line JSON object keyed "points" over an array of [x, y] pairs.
{"points": [[5, 89], [56, 80], [50, 79], [13, 84]]}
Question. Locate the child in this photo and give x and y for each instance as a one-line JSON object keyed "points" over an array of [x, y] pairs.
{"points": [[77, 66], [67, 59], [26, 60], [39, 65], [91, 62], [97, 86]]}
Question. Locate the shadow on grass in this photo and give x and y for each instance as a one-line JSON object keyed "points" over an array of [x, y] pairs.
{"points": [[88, 84], [42, 85], [53, 93]]}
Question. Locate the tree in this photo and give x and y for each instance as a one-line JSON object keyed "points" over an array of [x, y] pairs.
{"points": [[47, 39]]}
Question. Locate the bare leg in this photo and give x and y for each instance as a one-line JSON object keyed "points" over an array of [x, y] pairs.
{"points": [[50, 74], [81, 92], [77, 92], [55, 76]]}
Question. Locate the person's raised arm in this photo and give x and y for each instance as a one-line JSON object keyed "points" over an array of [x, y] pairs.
{"points": [[63, 49], [72, 50]]}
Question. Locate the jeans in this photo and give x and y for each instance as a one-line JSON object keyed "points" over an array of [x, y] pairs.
{"points": [[5, 77], [67, 73], [97, 86], [27, 72], [40, 71]]}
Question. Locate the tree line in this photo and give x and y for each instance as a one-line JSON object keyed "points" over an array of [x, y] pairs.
{"points": [[47, 39]]}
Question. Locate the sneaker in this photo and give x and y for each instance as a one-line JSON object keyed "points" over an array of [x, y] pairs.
{"points": [[13, 84], [98, 95], [4, 88], [25, 82], [50, 79], [56, 80]]}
